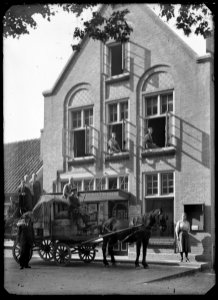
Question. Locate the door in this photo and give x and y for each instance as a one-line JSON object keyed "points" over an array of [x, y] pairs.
{"points": [[119, 210]]}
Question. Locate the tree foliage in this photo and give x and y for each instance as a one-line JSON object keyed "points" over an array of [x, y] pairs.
{"points": [[19, 19], [191, 17]]}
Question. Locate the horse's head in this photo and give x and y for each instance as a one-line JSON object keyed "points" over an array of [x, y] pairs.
{"points": [[156, 218]]}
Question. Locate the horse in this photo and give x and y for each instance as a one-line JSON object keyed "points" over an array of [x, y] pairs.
{"points": [[139, 233]]}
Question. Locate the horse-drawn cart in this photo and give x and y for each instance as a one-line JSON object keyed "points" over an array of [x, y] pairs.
{"points": [[59, 236]]}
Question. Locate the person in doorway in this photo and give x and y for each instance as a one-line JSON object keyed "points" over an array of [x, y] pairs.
{"points": [[25, 238], [148, 141], [113, 146], [35, 189], [182, 235]]}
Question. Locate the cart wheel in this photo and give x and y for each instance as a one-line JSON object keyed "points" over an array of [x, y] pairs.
{"points": [[16, 252], [87, 253], [62, 254], [46, 250]]}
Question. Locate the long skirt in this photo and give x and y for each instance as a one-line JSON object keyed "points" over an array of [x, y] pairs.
{"points": [[25, 254], [184, 243]]}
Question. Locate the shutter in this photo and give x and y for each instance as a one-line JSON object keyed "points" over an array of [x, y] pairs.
{"points": [[144, 130], [168, 129], [88, 140], [126, 57], [123, 135], [106, 58], [72, 144]]}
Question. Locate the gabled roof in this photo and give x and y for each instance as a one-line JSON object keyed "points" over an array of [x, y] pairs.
{"points": [[101, 10], [20, 158]]}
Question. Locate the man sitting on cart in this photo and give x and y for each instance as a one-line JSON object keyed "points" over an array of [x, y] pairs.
{"points": [[70, 192]]}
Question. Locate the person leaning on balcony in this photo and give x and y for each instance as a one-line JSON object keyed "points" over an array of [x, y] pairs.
{"points": [[182, 234], [113, 146], [148, 141]]}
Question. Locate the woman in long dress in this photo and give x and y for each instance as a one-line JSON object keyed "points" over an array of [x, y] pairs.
{"points": [[182, 234]]}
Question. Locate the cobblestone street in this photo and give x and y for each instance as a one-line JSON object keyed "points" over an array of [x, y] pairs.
{"points": [[93, 278]]}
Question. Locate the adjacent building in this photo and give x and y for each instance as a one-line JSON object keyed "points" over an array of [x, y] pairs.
{"points": [[154, 80]]}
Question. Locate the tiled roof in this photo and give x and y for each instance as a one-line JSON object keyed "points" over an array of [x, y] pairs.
{"points": [[20, 158]]}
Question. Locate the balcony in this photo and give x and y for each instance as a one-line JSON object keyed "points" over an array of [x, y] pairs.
{"points": [[158, 152], [117, 157]]}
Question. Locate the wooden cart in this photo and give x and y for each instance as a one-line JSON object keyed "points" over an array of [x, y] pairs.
{"points": [[57, 236]]}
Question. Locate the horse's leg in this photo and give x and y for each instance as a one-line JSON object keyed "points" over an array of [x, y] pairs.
{"points": [[145, 246], [138, 249], [111, 251], [104, 248]]}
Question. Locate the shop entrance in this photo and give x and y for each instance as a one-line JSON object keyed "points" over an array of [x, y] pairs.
{"points": [[119, 210]]}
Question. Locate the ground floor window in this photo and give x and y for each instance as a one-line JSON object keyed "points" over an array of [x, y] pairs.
{"points": [[167, 205]]}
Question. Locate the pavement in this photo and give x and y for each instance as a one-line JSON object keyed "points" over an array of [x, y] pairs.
{"points": [[159, 268]]}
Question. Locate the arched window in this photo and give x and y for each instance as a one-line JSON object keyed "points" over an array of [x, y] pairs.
{"points": [[157, 105], [79, 133]]}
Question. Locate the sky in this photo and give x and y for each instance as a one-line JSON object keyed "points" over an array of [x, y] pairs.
{"points": [[31, 65]]}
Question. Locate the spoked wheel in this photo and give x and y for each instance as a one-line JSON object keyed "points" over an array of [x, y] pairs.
{"points": [[16, 252], [46, 250], [62, 254], [87, 253]]}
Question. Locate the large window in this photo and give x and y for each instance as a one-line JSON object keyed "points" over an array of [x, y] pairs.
{"points": [[81, 135], [158, 109], [118, 122], [159, 193], [152, 187]]}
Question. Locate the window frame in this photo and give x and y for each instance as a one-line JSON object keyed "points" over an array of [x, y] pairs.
{"points": [[119, 121], [108, 59], [83, 127], [159, 114], [159, 193]]}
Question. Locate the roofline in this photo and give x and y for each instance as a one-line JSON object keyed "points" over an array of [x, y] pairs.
{"points": [[75, 54], [72, 58], [28, 140], [190, 51]]}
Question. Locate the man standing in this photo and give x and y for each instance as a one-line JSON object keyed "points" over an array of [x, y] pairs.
{"points": [[35, 189]]}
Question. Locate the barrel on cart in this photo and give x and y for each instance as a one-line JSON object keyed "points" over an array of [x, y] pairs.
{"points": [[58, 235]]}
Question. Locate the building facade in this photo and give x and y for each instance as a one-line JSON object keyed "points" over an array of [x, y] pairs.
{"points": [[154, 80]]}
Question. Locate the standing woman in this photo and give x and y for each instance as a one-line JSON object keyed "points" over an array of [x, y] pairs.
{"points": [[182, 234]]}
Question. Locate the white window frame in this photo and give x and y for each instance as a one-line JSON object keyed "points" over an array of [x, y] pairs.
{"points": [[125, 58], [159, 185], [119, 121], [158, 114], [123, 177], [82, 127]]}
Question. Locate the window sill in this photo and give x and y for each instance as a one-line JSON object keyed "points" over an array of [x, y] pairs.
{"points": [[81, 161], [158, 152], [117, 78], [117, 156]]}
